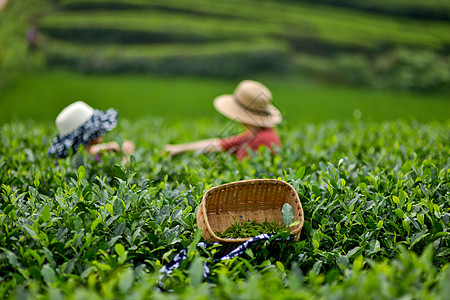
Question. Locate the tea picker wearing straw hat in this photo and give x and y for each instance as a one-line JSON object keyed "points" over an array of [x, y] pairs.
{"points": [[79, 124], [250, 105]]}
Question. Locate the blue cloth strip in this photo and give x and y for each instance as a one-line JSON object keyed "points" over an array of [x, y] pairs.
{"points": [[182, 255]]}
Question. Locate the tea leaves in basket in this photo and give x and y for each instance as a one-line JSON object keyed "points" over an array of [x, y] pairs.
{"points": [[249, 228]]}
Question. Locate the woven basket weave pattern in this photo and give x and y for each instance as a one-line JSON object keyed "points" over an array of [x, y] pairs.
{"points": [[259, 199]]}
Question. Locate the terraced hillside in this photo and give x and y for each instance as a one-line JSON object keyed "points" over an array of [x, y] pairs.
{"points": [[430, 9], [224, 38]]}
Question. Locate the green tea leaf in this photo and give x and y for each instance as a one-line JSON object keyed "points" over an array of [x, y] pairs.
{"points": [[36, 180], [317, 266], [12, 258], [409, 207], [95, 223], [133, 199], [316, 243], [196, 271], [166, 255], [417, 237], [19, 278], [280, 266], [301, 172], [288, 214], [249, 252], [395, 199], [132, 160], [48, 274], [352, 252], [421, 219], [78, 223], [358, 263], [407, 165], [120, 249], [342, 262], [295, 223], [31, 232], [86, 272], [402, 198], [436, 208], [46, 213], [399, 213], [118, 207], [405, 225], [81, 172], [35, 272], [380, 224], [109, 208], [119, 172], [126, 280]]}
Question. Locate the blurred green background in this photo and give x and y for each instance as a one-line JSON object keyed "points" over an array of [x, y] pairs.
{"points": [[327, 59]]}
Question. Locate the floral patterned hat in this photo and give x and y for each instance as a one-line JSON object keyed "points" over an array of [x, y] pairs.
{"points": [[79, 124]]}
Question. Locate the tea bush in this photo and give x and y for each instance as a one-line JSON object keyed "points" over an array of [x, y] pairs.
{"points": [[375, 195], [147, 26], [221, 59], [433, 9], [288, 19], [401, 69]]}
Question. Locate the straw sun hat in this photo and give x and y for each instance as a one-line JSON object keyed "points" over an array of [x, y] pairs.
{"points": [[250, 104], [79, 124]]}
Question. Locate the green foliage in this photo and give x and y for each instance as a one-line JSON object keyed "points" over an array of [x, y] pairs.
{"points": [[287, 21], [402, 69], [414, 70], [431, 9], [375, 196], [221, 59], [231, 39], [146, 26], [173, 37]]}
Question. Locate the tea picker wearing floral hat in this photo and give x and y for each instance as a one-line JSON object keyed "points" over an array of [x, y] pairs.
{"points": [[250, 106], [79, 124]]}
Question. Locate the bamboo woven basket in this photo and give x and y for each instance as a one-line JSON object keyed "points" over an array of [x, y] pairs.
{"points": [[258, 199]]}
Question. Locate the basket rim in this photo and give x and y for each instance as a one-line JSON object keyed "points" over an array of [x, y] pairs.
{"points": [[247, 182]]}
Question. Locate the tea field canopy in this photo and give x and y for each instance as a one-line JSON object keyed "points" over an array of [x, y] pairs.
{"points": [[41, 97], [375, 195]]}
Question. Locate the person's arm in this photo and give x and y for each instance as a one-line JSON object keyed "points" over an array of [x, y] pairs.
{"points": [[127, 147], [208, 145]]}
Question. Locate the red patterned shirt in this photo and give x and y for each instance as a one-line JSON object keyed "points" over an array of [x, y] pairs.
{"points": [[239, 144]]}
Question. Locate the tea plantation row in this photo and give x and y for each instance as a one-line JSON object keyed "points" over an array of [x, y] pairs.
{"points": [[229, 39], [375, 196], [238, 38], [413, 8], [235, 20]]}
